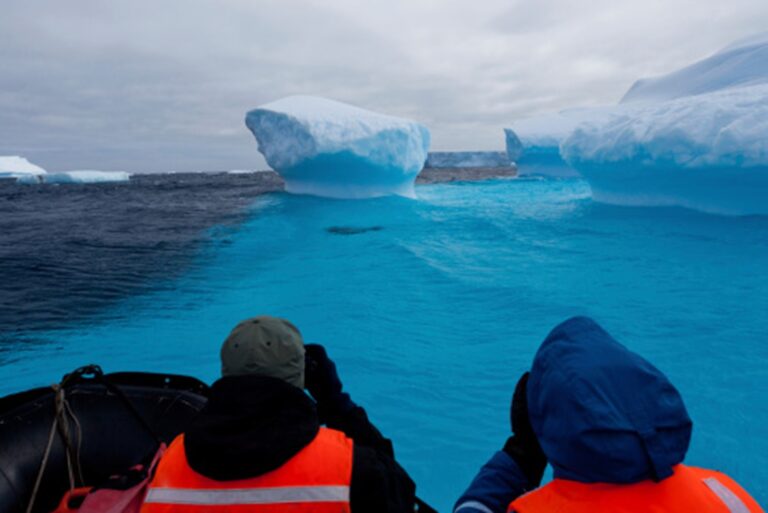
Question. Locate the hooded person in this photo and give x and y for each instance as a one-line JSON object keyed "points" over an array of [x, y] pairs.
{"points": [[614, 429], [262, 444]]}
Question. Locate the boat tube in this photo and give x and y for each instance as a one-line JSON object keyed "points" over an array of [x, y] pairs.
{"points": [[89, 427]]}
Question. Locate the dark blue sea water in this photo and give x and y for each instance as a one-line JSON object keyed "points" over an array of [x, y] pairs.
{"points": [[432, 308]]}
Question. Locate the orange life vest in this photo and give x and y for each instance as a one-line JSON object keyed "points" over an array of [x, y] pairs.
{"points": [[688, 490], [317, 480]]}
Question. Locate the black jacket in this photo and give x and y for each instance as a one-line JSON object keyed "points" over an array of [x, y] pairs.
{"points": [[252, 425]]}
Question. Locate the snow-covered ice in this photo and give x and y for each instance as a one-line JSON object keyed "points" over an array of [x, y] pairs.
{"points": [[467, 159], [82, 176], [697, 137], [14, 167], [742, 63], [327, 148], [534, 143], [708, 152]]}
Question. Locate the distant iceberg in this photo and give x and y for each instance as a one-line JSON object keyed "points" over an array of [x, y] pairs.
{"points": [[328, 148], [16, 167], [744, 63], [534, 143], [467, 159], [81, 177]]}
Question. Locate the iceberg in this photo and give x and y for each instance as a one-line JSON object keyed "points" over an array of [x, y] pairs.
{"points": [[467, 159], [81, 177], [16, 167], [743, 63], [534, 143], [328, 148], [707, 152]]}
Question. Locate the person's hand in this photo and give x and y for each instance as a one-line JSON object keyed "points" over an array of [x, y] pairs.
{"points": [[523, 446], [322, 381]]}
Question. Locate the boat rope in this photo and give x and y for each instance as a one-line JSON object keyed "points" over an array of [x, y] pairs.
{"points": [[63, 420], [60, 424], [43, 464]]}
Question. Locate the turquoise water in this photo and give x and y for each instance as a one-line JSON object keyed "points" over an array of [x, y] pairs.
{"points": [[433, 317]]}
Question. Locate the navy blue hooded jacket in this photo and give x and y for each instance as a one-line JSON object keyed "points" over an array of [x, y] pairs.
{"points": [[601, 414]]}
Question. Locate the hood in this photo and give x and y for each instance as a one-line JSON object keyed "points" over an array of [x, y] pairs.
{"points": [[601, 412], [250, 425]]}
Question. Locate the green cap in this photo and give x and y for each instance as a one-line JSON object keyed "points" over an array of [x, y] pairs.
{"points": [[264, 346]]}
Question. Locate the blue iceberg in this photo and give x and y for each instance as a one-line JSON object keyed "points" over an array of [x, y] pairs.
{"points": [[327, 148], [708, 152], [534, 143]]}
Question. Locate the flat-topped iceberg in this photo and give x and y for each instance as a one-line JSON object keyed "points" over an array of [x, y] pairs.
{"points": [[81, 177], [328, 148], [15, 167], [708, 152], [467, 159], [743, 63]]}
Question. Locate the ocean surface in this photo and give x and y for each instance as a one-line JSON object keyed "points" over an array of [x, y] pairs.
{"points": [[432, 308]]}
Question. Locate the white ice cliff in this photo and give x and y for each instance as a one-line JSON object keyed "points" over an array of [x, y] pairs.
{"points": [[328, 148], [15, 167]]}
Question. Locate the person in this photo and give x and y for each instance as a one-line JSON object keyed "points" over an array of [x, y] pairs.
{"points": [[614, 430], [259, 445]]}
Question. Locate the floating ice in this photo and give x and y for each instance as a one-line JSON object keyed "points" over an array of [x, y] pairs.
{"points": [[708, 152], [740, 64], [467, 159], [84, 176], [246, 171], [534, 143], [328, 148], [14, 167]]}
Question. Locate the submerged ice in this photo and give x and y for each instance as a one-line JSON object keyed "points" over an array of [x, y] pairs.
{"points": [[328, 148]]}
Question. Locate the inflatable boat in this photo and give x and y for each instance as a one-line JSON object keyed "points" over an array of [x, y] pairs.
{"points": [[84, 430]]}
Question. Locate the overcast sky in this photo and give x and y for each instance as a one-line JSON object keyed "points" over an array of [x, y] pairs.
{"points": [[143, 85]]}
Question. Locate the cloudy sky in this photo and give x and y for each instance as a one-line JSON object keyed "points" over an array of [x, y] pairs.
{"points": [[150, 86]]}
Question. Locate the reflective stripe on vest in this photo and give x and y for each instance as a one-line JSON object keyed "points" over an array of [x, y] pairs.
{"points": [[281, 495], [689, 489], [317, 479]]}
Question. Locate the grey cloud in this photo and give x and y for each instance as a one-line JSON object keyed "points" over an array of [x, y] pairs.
{"points": [[154, 86]]}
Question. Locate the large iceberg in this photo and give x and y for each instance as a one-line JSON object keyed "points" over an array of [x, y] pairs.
{"points": [[328, 148], [740, 64], [16, 167], [708, 152], [697, 137], [538, 144], [534, 143]]}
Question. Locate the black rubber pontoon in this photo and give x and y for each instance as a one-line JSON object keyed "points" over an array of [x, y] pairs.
{"points": [[121, 417]]}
